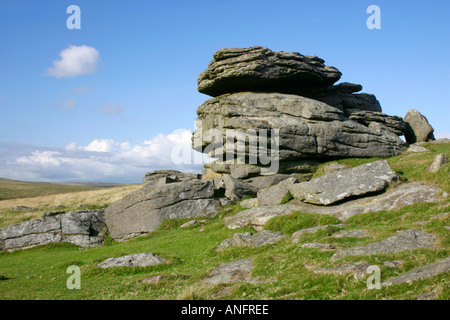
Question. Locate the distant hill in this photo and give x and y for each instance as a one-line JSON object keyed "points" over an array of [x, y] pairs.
{"points": [[13, 189]]}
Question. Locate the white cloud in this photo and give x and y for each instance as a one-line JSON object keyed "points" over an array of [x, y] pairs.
{"points": [[75, 60], [111, 108], [102, 160], [68, 104]]}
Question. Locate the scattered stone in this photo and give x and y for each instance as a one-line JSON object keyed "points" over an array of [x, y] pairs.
{"points": [[298, 234], [447, 228], [359, 269], [267, 181], [404, 240], [417, 127], [261, 69], [421, 273], [358, 233], [397, 264], [333, 167], [258, 217], [439, 161], [133, 260], [153, 279], [23, 208], [81, 206], [190, 223], [142, 211], [231, 272], [249, 203], [274, 195], [416, 149], [333, 187], [320, 246], [83, 228], [249, 239]]}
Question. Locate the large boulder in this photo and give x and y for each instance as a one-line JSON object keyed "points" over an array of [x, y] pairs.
{"points": [[144, 210], [340, 185], [308, 129], [261, 69], [83, 228], [417, 127]]}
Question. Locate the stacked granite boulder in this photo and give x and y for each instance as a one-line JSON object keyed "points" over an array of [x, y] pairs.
{"points": [[256, 88]]}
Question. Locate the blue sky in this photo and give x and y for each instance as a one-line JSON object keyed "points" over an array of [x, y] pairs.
{"points": [[120, 120]]}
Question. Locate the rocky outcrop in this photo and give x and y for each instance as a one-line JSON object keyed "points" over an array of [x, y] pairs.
{"points": [[308, 129], [274, 194], [393, 199], [417, 127], [82, 228], [261, 69], [340, 185], [161, 177], [144, 210], [296, 236], [132, 260], [404, 240]]}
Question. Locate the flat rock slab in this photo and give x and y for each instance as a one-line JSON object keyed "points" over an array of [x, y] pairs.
{"points": [[299, 233], [337, 186], [438, 162], [404, 240], [230, 272], [249, 239], [359, 269], [421, 273], [133, 260]]}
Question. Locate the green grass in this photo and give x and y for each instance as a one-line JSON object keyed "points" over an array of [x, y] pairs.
{"points": [[284, 268]]}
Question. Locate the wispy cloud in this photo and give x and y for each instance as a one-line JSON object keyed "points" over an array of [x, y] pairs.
{"points": [[101, 159], [111, 108], [75, 60], [441, 135], [82, 89], [68, 104]]}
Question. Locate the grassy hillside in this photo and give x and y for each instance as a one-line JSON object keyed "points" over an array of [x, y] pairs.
{"points": [[284, 269], [13, 189]]}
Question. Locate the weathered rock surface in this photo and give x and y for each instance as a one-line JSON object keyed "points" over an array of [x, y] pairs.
{"points": [[274, 194], [417, 127], [404, 240], [258, 217], [358, 269], [439, 161], [333, 167], [249, 203], [299, 233], [83, 228], [231, 272], [392, 123], [261, 69], [337, 186], [393, 199], [144, 210], [307, 128], [161, 177], [248, 239], [236, 189], [267, 181], [133, 260], [421, 273], [416, 149]]}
